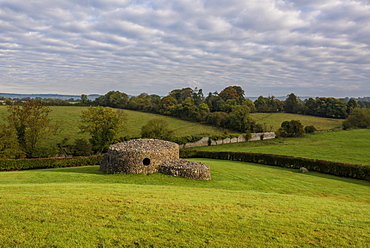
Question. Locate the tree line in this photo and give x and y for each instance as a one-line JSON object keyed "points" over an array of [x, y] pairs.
{"points": [[220, 109]]}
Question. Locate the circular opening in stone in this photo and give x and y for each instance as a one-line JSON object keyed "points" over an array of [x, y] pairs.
{"points": [[146, 161]]}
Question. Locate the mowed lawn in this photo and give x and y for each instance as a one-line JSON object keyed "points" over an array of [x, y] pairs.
{"points": [[244, 205], [351, 146]]}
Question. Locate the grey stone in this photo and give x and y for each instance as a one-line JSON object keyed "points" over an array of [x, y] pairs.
{"points": [[303, 170], [146, 156]]}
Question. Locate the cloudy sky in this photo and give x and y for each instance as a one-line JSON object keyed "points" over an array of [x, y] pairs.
{"points": [[268, 47]]}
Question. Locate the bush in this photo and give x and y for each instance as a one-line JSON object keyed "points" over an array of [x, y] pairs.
{"points": [[359, 118], [309, 129], [43, 163], [82, 147], [292, 128], [156, 129]]}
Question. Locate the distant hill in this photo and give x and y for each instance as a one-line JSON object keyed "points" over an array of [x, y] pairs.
{"points": [[55, 96]]}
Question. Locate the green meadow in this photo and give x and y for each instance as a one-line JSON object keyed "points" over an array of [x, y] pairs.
{"points": [[273, 120], [244, 205], [68, 119], [351, 146]]}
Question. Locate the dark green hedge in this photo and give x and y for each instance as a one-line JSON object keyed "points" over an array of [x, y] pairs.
{"points": [[42, 163], [323, 166]]}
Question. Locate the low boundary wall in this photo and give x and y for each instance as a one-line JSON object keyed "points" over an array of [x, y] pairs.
{"points": [[207, 141]]}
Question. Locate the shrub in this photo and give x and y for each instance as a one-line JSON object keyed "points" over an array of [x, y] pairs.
{"points": [[309, 129], [43, 163], [359, 118], [292, 128], [82, 147], [156, 129]]}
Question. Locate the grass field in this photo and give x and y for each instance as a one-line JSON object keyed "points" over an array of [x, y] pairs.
{"points": [[341, 146], [244, 205], [69, 119], [273, 120]]}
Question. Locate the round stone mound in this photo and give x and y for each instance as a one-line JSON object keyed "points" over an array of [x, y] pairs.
{"points": [[140, 156], [184, 168]]}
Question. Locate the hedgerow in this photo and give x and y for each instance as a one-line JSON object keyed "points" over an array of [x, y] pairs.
{"points": [[323, 166], [43, 163]]}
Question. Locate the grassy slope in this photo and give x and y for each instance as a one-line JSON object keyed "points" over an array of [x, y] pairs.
{"points": [[340, 146], [244, 205], [69, 118], [275, 120]]}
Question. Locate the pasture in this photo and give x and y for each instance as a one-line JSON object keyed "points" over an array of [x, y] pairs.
{"points": [[351, 146], [273, 120], [244, 205], [68, 118]]}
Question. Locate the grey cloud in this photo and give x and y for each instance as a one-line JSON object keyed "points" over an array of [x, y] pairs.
{"points": [[267, 47]]}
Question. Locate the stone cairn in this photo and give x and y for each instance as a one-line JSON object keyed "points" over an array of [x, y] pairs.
{"points": [[146, 156]]}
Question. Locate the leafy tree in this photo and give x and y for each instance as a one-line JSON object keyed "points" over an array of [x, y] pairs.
{"points": [[167, 105], [250, 105], [309, 106], [351, 104], [181, 95], [292, 128], [114, 99], [84, 100], [218, 119], [156, 129], [9, 146], [31, 123], [358, 118], [215, 102], [198, 97], [82, 147], [292, 104], [103, 124], [188, 111], [239, 118], [232, 93], [262, 104], [326, 107]]}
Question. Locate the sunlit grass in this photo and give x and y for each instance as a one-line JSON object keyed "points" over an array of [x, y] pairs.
{"points": [[244, 205], [341, 146]]}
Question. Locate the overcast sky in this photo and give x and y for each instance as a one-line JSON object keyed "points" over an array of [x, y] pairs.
{"points": [[268, 47]]}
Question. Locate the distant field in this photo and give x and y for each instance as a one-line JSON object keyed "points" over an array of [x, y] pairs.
{"points": [[69, 119], [273, 120], [244, 205], [341, 146]]}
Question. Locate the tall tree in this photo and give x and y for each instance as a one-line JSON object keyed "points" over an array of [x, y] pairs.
{"points": [[9, 146], [351, 105], [292, 104], [232, 93], [103, 124], [239, 118], [31, 122]]}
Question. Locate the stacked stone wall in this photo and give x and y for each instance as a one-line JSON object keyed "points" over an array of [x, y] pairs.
{"points": [[205, 141], [185, 168], [146, 156], [142, 156]]}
